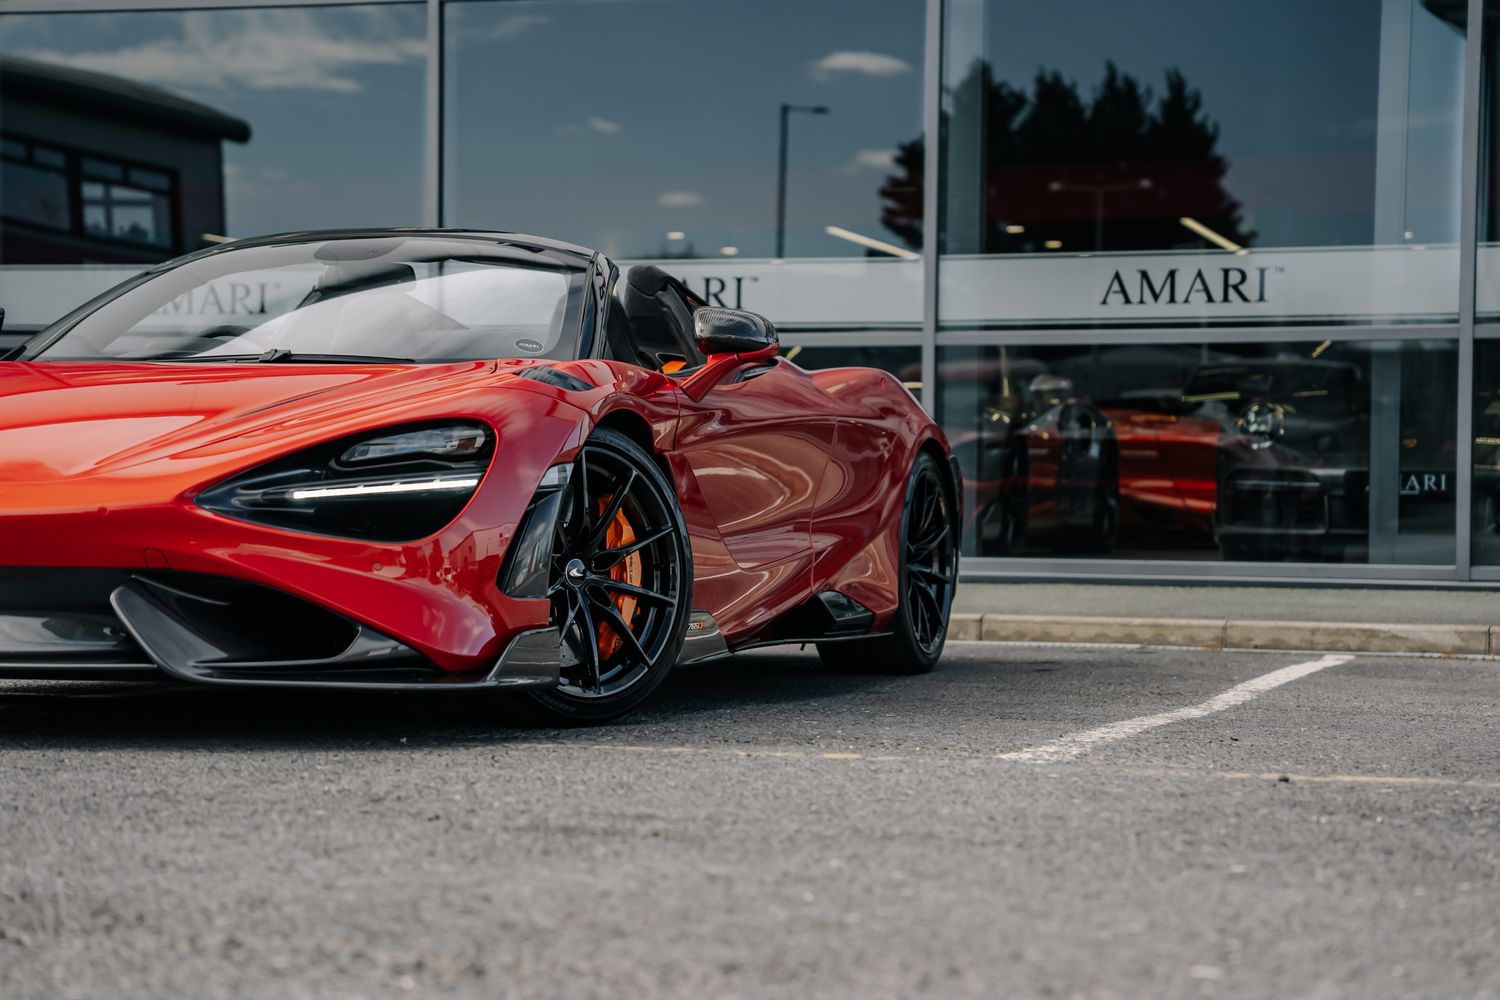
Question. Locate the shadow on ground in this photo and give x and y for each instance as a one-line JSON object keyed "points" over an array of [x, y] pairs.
{"points": [[148, 715]]}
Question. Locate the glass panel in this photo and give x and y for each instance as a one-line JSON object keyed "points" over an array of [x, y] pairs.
{"points": [[1486, 547], [904, 362], [271, 119], [49, 157], [1331, 452], [1140, 162], [1487, 283], [133, 223], [119, 194], [715, 137], [30, 194], [103, 169]]}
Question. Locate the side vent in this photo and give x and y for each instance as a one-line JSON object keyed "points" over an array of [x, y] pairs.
{"points": [[559, 379], [846, 615]]}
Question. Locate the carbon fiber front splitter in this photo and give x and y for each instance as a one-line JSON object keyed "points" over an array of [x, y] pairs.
{"points": [[194, 630]]}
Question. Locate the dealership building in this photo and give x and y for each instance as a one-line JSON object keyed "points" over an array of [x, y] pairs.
{"points": [[1197, 291]]}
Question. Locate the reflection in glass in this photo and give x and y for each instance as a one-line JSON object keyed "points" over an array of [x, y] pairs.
{"points": [[651, 128], [1487, 276], [1216, 188], [31, 192], [904, 362], [1329, 452], [1486, 513], [159, 129]]}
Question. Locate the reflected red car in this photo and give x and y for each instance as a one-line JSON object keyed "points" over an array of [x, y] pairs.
{"points": [[441, 460], [1168, 471]]}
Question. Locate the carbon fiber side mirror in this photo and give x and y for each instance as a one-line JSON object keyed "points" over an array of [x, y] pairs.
{"points": [[732, 331]]}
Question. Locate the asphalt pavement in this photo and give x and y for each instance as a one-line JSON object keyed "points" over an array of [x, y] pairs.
{"points": [[1026, 821]]}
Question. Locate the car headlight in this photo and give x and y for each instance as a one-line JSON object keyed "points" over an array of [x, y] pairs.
{"points": [[396, 485], [1263, 423]]}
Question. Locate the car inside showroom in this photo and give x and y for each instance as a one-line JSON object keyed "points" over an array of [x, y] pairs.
{"points": [[1192, 297]]}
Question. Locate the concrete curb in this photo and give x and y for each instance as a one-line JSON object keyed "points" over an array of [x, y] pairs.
{"points": [[1213, 633]]}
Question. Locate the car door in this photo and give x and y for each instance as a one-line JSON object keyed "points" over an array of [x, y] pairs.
{"points": [[1080, 465], [1044, 453], [757, 443]]}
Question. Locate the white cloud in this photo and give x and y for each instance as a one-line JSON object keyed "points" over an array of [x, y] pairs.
{"points": [[592, 124], [865, 63], [679, 199], [258, 50], [872, 159], [512, 25]]}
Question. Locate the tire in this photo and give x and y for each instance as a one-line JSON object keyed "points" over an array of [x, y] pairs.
{"points": [[1007, 540], [1105, 529], [929, 575], [622, 583]]}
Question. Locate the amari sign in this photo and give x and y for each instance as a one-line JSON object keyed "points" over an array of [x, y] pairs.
{"points": [[1396, 284], [1163, 287], [1002, 291], [1008, 291]]}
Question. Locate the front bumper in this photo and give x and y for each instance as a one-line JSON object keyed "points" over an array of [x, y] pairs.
{"points": [[111, 624]]}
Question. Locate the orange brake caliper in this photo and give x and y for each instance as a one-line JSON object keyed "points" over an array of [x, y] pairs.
{"points": [[627, 570]]}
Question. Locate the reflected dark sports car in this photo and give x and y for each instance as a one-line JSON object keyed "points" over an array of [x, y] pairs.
{"points": [[443, 460], [1294, 460], [1042, 467], [1293, 466]]}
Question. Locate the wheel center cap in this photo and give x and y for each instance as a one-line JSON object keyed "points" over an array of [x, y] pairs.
{"points": [[575, 573]]}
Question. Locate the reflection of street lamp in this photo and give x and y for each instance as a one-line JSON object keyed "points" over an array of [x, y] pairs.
{"points": [[786, 109], [1099, 191]]}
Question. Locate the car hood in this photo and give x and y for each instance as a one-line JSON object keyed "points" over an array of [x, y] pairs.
{"points": [[63, 420]]}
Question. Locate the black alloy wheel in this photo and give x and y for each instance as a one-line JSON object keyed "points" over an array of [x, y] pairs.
{"points": [[1105, 530], [622, 582], [929, 577]]}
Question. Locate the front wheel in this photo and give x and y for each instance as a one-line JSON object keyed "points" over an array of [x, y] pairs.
{"points": [[928, 578], [621, 585]]}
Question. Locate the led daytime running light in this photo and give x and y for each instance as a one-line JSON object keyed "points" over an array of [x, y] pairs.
{"points": [[382, 489]]}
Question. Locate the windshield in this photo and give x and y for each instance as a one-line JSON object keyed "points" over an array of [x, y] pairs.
{"points": [[423, 299]]}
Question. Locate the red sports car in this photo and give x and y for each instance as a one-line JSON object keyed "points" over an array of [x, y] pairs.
{"points": [[453, 460]]}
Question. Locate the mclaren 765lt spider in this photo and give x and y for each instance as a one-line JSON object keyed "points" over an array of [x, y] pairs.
{"points": [[445, 460]]}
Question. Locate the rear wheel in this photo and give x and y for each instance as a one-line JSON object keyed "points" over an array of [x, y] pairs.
{"points": [[929, 576], [622, 583], [1105, 528]]}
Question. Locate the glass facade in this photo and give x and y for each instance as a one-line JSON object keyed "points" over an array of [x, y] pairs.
{"points": [[1251, 451], [1131, 163], [1195, 292]]}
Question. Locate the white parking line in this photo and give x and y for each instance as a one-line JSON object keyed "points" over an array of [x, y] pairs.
{"points": [[1075, 744]]}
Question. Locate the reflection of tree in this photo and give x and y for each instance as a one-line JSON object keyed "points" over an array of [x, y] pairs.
{"points": [[1116, 172]]}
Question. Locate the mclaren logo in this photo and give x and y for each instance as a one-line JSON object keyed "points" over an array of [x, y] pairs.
{"points": [[1176, 286]]}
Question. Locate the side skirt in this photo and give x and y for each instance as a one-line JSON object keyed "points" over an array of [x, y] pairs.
{"points": [[828, 617]]}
